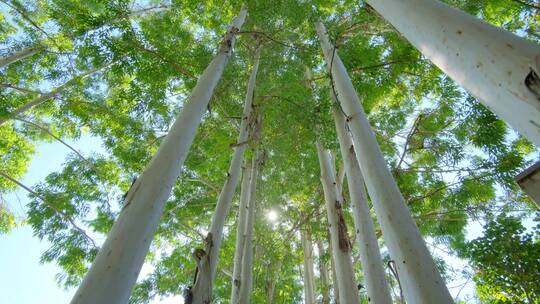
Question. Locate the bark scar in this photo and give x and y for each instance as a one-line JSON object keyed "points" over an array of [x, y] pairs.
{"points": [[131, 192], [344, 241]]}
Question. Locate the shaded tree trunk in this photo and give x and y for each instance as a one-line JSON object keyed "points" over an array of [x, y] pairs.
{"points": [[309, 274], [500, 68], [421, 280], [202, 290], [117, 265], [271, 284], [247, 259], [240, 232], [20, 55], [341, 245], [323, 273], [368, 247]]}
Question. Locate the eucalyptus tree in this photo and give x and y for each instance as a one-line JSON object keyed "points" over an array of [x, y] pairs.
{"points": [[246, 279], [240, 232], [368, 247], [308, 273], [341, 244], [117, 265], [419, 275], [202, 290]]}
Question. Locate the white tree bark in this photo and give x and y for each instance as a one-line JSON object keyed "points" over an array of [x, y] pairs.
{"points": [[323, 273], [420, 278], [246, 280], [20, 55], [240, 232], [309, 273], [116, 267], [370, 256], [491, 63], [202, 290], [47, 96], [341, 246]]}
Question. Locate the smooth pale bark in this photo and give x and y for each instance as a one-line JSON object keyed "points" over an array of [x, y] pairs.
{"points": [[370, 256], [323, 274], [240, 232], [333, 283], [491, 63], [420, 278], [20, 55], [47, 96], [341, 246], [309, 273], [202, 290], [246, 280], [116, 267]]}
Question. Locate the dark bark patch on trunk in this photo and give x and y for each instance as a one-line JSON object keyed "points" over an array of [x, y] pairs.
{"points": [[344, 241], [532, 82]]}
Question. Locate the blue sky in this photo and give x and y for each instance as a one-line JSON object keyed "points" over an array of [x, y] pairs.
{"points": [[24, 280]]}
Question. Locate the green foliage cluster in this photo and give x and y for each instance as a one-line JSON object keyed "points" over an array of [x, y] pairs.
{"points": [[453, 159]]}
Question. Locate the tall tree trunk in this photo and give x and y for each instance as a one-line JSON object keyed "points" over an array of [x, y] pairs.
{"points": [[271, 284], [240, 232], [20, 55], [370, 256], [493, 64], [341, 244], [116, 267], [333, 282], [202, 290], [47, 96], [246, 281], [421, 280], [309, 274], [323, 273]]}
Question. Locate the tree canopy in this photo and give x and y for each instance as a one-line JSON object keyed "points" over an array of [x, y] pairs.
{"points": [[121, 70]]}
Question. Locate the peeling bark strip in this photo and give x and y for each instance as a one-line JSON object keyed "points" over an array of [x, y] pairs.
{"points": [[117, 265], [368, 247], [422, 281], [202, 289], [491, 63], [347, 288]]}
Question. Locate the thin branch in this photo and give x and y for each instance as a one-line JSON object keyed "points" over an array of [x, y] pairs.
{"points": [[173, 64], [52, 135], [408, 139], [384, 64], [529, 5], [25, 16], [20, 89], [54, 208]]}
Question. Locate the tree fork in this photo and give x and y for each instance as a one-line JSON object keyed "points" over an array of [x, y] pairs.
{"points": [[421, 279], [113, 273]]}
